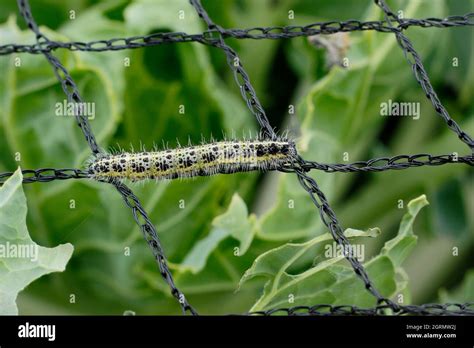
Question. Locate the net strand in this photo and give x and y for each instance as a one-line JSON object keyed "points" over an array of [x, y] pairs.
{"points": [[429, 309], [147, 228], [240, 75], [309, 184], [421, 75], [380, 164], [255, 33], [215, 36], [67, 83]]}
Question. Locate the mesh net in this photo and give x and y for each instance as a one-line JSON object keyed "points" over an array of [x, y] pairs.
{"points": [[215, 36]]}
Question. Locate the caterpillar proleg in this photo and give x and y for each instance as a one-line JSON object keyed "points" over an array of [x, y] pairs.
{"points": [[223, 157]]}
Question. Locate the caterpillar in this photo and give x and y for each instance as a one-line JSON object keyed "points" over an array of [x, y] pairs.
{"points": [[223, 157]]}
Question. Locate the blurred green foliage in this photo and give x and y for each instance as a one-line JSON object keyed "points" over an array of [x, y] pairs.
{"points": [[22, 260], [337, 111]]}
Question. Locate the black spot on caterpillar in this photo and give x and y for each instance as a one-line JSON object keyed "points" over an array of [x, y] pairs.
{"points": [[223, 157]]}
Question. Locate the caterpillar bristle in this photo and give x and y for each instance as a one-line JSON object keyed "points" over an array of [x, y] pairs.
{"points": [[206, 159]]}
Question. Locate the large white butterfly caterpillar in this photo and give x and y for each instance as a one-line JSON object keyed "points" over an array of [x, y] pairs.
{"points": [[223, 157]]}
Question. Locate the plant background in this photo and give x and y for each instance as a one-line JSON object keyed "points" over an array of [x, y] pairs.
{"points": [[337, 110]]}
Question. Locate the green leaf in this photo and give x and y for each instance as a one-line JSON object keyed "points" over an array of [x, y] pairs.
{"points": [[336, 111], [32, 95], [292, 213], [277, 263], [291, 281], [401, 246], [339, 114], [100, 226], [22, 261], [235, 223], [190, 81]]}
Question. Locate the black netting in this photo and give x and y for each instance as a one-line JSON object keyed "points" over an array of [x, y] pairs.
{"points": [[215, 36]]}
